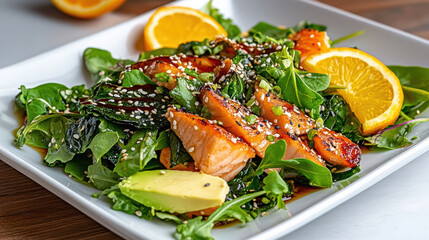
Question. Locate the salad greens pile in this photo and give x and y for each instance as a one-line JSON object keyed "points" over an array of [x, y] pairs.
{"points": [[116, 128]]}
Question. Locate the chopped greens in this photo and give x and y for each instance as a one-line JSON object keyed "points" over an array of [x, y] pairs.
{"points": [[117, 127]]}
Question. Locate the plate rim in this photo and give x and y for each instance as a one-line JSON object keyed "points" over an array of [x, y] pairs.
{"points": [[115, 225]]}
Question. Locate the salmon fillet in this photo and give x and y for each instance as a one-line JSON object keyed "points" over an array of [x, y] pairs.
{"points": [[296, 148], [292, 121], [165, 159], [215, 151], [310, 41], [336, 149], [232, 115], [175, 66]]}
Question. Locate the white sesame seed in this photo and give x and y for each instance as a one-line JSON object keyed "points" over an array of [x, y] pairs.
{"points": [[191, 149], [133, 149], [195, 128]]}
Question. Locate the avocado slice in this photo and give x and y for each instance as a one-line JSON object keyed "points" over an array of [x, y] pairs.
{"points": [[175, 191]]}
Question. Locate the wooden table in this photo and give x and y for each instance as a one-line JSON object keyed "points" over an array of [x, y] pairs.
{"points": [[28, 211]]}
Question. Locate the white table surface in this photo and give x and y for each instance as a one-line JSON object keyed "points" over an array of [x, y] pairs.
{"points": [[395, 208]]}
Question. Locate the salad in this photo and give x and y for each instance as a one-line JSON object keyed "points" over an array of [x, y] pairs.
{"points": [[213, 131]]}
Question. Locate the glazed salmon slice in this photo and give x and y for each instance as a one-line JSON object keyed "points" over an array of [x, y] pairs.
{"points": [[175, 66], [310, 41], [291, 120], [296, 148], [233, 117], [214, 150], [337, 149], [165, 159]]}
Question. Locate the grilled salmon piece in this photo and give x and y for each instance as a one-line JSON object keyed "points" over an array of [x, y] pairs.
{"points": [[215, 151], [296, 148], [310, 41], [232, 115], [175, 66], [292, 121], [336, 149], [165, 159]]}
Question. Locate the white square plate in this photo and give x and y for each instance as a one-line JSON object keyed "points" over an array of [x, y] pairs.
{"points": [[65, 65]]}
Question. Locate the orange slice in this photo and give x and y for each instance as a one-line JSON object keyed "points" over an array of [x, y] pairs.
{"points": [[171, 26], [87, 8], [373, 92]]}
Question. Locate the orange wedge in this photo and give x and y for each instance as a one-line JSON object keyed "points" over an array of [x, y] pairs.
{"points": [[87, 8], [373, 92], [171, 26]]}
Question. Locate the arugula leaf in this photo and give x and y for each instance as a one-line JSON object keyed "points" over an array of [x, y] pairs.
{"points": [[394, 137], [198, 229], [168, 217], [101, 64], [227, 24], [126, 204], [275, 187], [135, 77], [318, 175], [137, 153], [182, 93], [157, 53]]}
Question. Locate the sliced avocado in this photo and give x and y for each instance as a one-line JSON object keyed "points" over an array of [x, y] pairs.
{"points": [[175, 191]]}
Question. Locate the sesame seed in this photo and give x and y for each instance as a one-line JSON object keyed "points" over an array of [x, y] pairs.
{"points": [[191, 149], [162, 172], [133, 149], [76, 136], [195, 128]]}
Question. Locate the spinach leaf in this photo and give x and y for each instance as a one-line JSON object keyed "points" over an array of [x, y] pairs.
{"points": [[183, 93], [338, 116], [137, 153], [179, 155], [157, 53], [42, 99], [135, 77], [315, 81], [101, 64], [227, 24], [140, 106], [102, 143], [296, 91], [266, 29], [307, 24], [395, 136], [101, 176], [78, 166], [318, 175], [415, 83]]}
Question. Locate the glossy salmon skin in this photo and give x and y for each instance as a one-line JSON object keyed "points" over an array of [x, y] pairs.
{"points": [[292, 121], [310, 41], [336, 149], [214, 150], [232, 115], [175, 66]]}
